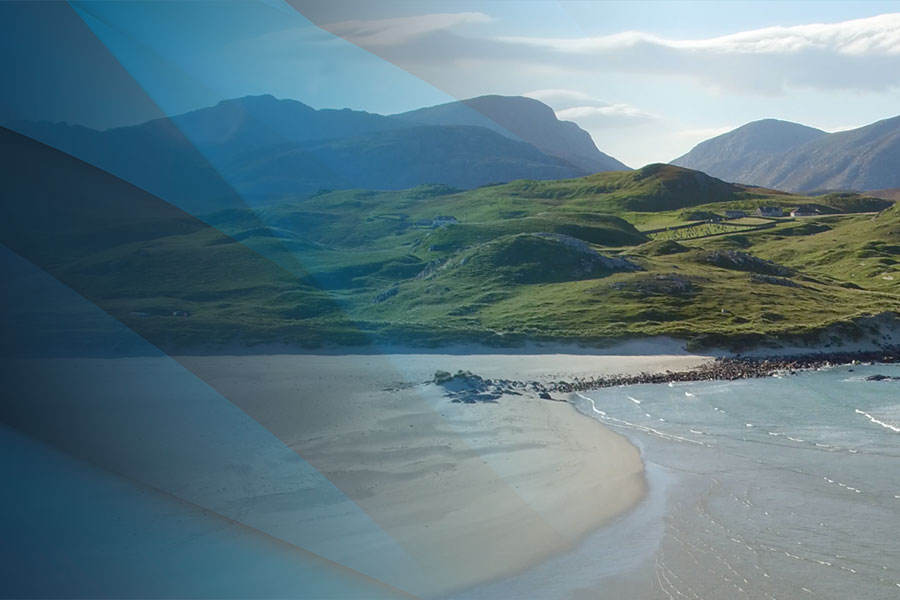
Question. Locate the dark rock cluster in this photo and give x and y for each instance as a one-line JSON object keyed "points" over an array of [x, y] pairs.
{"points": [[757, 278], [730, 369], [880, 377], [469, 388]]}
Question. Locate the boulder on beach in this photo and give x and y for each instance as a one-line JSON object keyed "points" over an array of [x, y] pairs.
{"points": [[880, 377]]}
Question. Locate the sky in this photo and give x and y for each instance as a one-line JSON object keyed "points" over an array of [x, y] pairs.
{"points": [[648, 80]]}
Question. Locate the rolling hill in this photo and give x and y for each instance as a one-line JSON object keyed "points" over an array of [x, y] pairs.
{"points": [[792, 157], [593, 259], [135, 257]]}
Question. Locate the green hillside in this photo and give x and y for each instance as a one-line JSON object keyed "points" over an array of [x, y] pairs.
{"points": [[483, 278], [504, 272], [542, 260]]}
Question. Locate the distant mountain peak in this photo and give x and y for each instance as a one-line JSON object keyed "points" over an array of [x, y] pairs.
{"points": [[503, 102], [765, 135], [522, 119], [797, 158], [261, 101], [773, 121]]}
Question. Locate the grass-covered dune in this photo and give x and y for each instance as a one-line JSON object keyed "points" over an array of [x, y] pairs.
{"points": [[540, 260]]}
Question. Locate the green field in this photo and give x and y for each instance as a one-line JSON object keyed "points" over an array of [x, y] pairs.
{"points": [[539, 260]]}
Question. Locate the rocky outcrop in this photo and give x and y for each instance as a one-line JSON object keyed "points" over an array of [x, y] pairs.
{"points": [[467, 388], [757, 278], [665, 285], [741, 261], [610, 263]]}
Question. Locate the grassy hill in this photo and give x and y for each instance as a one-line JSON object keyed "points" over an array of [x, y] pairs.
{"points": [[543, 260]]}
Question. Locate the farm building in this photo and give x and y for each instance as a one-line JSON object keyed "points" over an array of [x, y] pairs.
{"points": [[805, 211], [443, 220], [439, 221], [735, 214], [769, 211]]}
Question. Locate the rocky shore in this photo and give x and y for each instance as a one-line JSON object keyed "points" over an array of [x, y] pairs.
{"points": [[466, 387], [731, 368]]}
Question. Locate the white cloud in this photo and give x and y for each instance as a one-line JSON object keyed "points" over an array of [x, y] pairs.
{"points": [[590, 112], [858, 55], [862, 55], [400, 30], [608, 116], [871, 36], [610, 110]]}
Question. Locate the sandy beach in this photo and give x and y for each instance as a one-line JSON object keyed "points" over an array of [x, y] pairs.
{"points": [[355, 458], [474, 492]]}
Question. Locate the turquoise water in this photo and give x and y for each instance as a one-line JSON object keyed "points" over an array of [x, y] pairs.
{"points": [[775, 488]]}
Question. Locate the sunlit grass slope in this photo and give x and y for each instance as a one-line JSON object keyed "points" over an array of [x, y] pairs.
{"points": [[540, 260]]}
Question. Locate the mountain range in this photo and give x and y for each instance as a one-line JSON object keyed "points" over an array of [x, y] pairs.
{"points": [[259, 149], [796, 158]]}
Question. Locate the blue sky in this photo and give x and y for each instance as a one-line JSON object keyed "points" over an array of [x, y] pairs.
{"points": [[647, 79]]}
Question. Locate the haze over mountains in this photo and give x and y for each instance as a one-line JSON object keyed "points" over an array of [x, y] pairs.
{"points": [[260, 148], [792, 157]]}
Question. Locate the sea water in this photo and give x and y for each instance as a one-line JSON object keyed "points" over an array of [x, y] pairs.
{"points": [[777, 488]]}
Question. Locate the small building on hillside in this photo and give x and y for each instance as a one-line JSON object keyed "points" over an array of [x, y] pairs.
{"points": [[805, 211], [769, 211], [440, 221], [735, 214]]}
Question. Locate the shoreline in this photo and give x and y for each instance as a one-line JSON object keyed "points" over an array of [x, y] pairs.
{"points": [[725, 368], [638, 346], [475, 492]]}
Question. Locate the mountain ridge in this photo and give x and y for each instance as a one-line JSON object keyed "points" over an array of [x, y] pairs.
{"points": [[261, 149], [797, 158], [522, 118]]}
